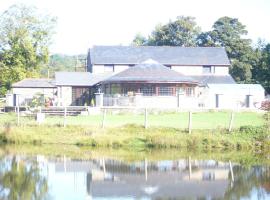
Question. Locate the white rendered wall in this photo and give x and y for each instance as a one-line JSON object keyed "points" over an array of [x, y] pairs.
{"points": [[26, 94], [232, 98], [221, 70], [120, 68], [64, 96], [98, 69], [188, 70]]}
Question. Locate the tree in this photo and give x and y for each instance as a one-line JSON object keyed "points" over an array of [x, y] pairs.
{"points": [[261, 72], [181, 32], [24, 39], [139, 40], [228, 33]]}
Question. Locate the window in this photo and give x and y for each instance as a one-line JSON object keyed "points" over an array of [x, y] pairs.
{"points": [[165, 91], [169, 66], [189, 91], [108, 68], [147, 90], [206, 69]]}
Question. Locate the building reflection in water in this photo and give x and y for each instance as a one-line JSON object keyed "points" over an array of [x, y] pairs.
{"points": [[181, 178], [177, 179]]}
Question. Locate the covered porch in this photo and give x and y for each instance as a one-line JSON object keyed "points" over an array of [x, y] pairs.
{"points": [[149, 84]]}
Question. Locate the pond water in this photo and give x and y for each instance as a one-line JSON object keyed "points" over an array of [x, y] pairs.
{"points": [[63, 178]]}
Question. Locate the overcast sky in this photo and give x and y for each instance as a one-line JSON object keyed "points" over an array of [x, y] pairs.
{"points": [[84, 23]]}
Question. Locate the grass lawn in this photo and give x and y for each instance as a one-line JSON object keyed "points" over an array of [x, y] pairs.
{"points": [[200, 120]]}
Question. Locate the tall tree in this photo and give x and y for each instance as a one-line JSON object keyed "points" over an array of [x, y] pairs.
{"points": [[24, 39], [229, 33], [261, 72], [181, 32]]}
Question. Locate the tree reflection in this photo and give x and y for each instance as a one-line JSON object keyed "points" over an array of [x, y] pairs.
{"points": [[247, 179], [22, 181]]}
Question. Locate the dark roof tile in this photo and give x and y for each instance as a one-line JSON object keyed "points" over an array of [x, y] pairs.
{"points": [[163, 54]]}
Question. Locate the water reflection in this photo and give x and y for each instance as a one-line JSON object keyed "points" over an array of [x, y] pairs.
{"points": [[21, 180], [62, 178]]}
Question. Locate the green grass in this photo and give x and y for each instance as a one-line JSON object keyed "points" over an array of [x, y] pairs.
{"points": [[200, 120], [136, 137], [166, 130]]}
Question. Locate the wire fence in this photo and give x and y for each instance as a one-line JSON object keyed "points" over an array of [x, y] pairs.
{"points": [[116, 117]]}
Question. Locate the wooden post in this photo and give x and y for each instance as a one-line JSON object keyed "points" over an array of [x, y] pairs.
{"points": [[189, 122], [231, 121], [231, 170], [18, 115], [65, 116], [145, 118], [103, 118]]}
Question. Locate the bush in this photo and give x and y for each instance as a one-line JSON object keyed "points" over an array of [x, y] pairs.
{"points": [[266, 105]]}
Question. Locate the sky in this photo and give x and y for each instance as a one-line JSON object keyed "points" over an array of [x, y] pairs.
{"points": [[84, 23]]}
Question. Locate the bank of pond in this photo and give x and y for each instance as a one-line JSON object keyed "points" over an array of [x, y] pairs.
{"points": [[138, 137]]}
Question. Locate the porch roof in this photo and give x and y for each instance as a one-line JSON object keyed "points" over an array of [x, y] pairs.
{"points": [[83, 79], [34, 83], [214, 79], [150, 71]]}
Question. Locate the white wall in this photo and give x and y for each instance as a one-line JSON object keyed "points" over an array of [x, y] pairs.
{"points": [[188, 70], [120, 68], [64, 96], [97, 69], [26, 94], [221, 70], [198, 70], [232, 96]]}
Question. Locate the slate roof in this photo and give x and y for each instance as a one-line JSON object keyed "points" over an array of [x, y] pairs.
{"points": [[35, 83], [237, 88], [163, 54], [79, 78], [214, 79], [152, 72]]}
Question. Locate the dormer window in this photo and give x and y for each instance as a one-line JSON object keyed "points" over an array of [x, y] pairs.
{"points": [[207, 69]]}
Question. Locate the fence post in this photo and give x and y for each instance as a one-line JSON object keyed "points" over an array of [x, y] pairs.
{"points": [[18, 115], [65, 116], [145, 118], [189, 122], [231, 121], [103, 118]]}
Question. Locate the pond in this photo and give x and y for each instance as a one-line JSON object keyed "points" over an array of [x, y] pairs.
{"points": [[24, 176]]}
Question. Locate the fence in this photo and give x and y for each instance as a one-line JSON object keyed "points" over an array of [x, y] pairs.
{"points": [[116, 117]]}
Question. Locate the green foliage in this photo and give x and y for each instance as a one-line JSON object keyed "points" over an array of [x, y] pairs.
{"points": [[38, 100], [248, 65], [261, 70], [139, 40], [61, 62], [229, 33], [181, 32], [24, 39]]}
